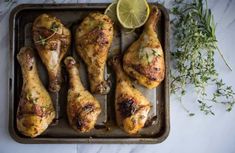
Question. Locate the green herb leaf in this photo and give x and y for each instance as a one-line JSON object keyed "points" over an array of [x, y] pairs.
{"points": [[193, 55], [148, 54], [191, 114], [42, 40], [54, 27]]}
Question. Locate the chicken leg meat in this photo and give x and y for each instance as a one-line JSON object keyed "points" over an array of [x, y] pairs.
{"points": [[52, 40], [131, 106], [144, 59], [35, 110], [93, 40], [82, 108]]}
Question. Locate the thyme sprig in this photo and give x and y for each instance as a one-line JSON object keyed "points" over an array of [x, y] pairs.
{"points": [[195, 46], [42, 40], [225, 92], [148, 54]]}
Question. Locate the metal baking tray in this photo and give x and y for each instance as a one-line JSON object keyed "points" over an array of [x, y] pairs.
{"points": [[106, 130]]}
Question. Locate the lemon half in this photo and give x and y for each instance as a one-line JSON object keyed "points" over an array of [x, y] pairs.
{"points": [[132, 13], [111, 12]]}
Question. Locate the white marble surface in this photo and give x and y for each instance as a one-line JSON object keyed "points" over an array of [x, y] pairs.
{"points": [[198, 134]]}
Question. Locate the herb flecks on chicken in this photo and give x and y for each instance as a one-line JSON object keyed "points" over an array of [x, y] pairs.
{"points": [[144, 59], [93, 40], [82, 108], [35, 110], [52, 40], [131, 107]]}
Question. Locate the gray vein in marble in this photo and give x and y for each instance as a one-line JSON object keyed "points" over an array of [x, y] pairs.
{"points": [[227, 6], [6, 11], [231, 23], [100, 149], [3, 40], [222, 17], [137, 148], [80, 149], [214, 4]]}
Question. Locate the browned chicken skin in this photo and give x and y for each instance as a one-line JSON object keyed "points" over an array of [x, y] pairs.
{"points": [[82, 108], [144, 59], [52, 40], [93, 40], [35, 110], [131, 107]]}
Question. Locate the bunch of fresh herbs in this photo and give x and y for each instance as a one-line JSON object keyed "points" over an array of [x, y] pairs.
{"points": [[195, 44]]}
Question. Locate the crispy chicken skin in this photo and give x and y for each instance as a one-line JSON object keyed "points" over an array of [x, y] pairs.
{"points": [[35, 110], [93, 40], [82, 108], [144, 59], [52, 40], [131, 107]]}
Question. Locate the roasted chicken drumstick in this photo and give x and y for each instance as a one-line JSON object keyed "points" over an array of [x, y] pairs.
{"points": [[131, 106], [144, 59], [35, 110], [82, 108], [52, 40], [93, 40]]}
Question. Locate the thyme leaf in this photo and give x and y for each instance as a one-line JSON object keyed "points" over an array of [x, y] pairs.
{"points": [[54, 27], [148, 54], [42, 40]]}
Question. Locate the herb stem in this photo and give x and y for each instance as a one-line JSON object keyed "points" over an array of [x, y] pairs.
{"points": [[219, 51], [45, 39], [194, 63]]}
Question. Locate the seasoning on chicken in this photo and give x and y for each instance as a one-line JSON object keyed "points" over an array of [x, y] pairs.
{"points": [[35, 110], [82, 108], [144, 59], [131, 106], [93, 40], [52, 41]]}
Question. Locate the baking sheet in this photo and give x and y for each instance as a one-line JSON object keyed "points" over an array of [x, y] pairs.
{"points": [[60, 132]]}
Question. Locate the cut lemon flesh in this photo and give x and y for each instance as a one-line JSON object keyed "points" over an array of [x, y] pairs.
{"points": [[132, 13], [111, 12]]}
